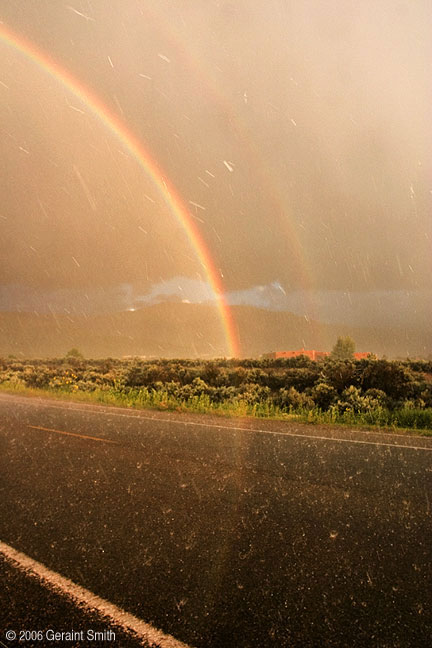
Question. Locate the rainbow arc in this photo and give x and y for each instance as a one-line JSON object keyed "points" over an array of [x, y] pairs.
{"points": [[137, 150]]}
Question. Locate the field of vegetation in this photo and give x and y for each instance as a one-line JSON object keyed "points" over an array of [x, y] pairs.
{"points": [[365, 392]]}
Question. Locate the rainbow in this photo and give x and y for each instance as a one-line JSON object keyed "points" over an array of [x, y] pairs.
{"points": [[135, 147], [278, 202]]}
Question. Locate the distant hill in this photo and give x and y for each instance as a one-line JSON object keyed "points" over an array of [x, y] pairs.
{"points": [[275, 330], [174, 329]]}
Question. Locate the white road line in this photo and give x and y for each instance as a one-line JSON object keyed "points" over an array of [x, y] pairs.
{"points": [[139, 416], [128, 623]]}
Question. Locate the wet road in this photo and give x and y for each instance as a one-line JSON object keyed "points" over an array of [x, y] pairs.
{"points": [[222, 533]]}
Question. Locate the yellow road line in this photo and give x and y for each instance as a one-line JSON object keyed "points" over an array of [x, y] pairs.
{"points": [[80, 436]]}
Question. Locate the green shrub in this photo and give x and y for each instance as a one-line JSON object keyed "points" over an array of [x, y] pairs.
{"points": [[323, 395], [412, 417], [294, 400], [369, 391]]}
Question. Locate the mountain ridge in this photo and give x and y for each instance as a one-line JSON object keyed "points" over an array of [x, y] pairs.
{"points": [[176, 329]]}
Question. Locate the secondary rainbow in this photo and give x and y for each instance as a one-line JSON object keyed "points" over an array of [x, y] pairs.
{"points": [[278, 201], [136, 148]]}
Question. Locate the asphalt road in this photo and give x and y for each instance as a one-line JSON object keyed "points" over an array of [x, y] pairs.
{"points": [[222, 533]]}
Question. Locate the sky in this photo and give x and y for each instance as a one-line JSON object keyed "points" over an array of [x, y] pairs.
{"points": [[295, 134]]}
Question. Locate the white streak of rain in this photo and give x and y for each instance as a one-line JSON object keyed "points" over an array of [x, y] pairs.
{"points": [[78, 13], [118, 105], [200, 220], [78, 110], [399, 265], [85, 188], [217, 235], [42, 206], [197, 205]]}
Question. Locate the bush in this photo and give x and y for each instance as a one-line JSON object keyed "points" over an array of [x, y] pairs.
{"points": [[293, 399], [340, 375], [368, 391], [353, 400], [253, 394], [377, 398], [39, 378], [393, 378], [301, 378], [412, 417], [323, 395], [74, 353]]}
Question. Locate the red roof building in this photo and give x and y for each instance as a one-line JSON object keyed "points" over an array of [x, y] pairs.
{"points": [[360, 356]]}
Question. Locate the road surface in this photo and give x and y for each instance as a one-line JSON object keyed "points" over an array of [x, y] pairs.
{"points": [[218, 532]]}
